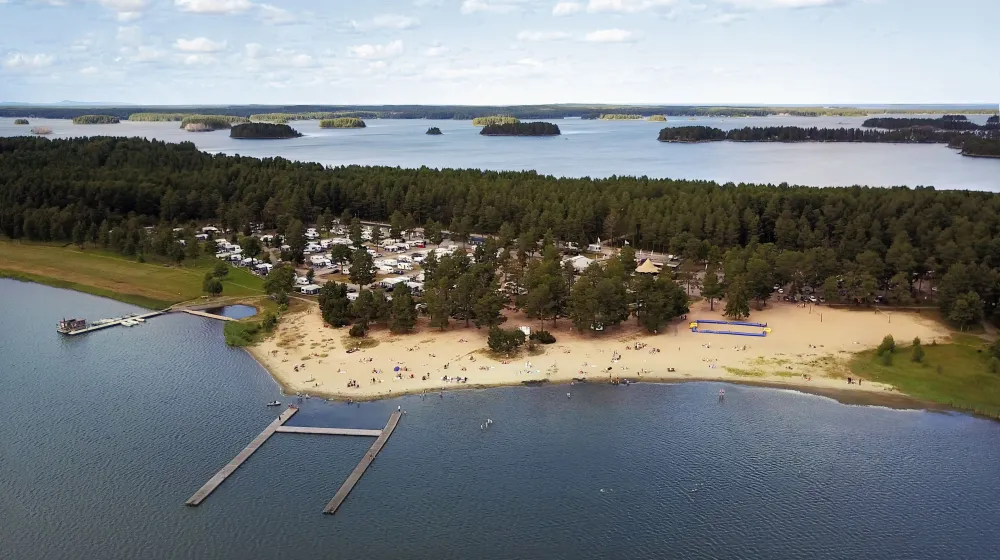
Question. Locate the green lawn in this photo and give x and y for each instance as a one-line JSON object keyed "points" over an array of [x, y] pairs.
{"points": [[955, 374], [151, 285]]}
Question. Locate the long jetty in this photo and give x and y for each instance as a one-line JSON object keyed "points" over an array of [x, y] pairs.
{"points": [[366, 461], [231, 467], [114, 323]]}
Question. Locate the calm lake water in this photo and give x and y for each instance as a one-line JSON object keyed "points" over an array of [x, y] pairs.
{"points": [[108, 434], [596, 149]]}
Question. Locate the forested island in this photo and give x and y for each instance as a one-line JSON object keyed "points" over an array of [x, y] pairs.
{"points": [[158, 117], [521, 129], [342, 122], [657, 118], [977, 146], [494, 119], [799, 134], [434, 131], [21, 121], [264, 131], [621, 117], [96, 119], [946, 122], [41, 130], [207, 123]]}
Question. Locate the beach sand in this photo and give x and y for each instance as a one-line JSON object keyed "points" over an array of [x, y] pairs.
{"points": [[806, 349]]}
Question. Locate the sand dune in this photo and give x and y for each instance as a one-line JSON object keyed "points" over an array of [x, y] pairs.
{"points": [[805, 348]]}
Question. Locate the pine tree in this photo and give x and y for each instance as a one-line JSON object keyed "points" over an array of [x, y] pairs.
{"points": [[737, 299], [404, 314], [711, 288]]}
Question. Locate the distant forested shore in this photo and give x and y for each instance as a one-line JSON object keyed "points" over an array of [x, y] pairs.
{"points": [[983, 143], [285, 113], [96, 119], [342, 122]]}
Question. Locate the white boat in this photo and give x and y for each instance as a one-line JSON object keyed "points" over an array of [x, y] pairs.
{"points": [[274, 403], [140, 319], [129, 323]]}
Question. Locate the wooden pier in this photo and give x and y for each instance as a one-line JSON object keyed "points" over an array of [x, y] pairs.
{"points": [[328, 431], [208, 315], [366, 461], [231, 467], [114, 323]]}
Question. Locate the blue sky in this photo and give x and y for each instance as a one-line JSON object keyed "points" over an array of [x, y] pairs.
{"points": [[499, 51]]}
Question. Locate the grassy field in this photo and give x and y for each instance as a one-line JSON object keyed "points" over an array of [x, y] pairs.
{"points": [[955, 374], [151, 285]]}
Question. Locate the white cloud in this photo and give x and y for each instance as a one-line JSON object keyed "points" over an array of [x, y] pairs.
{"points": [[609, 36], [129, 35], [139, 53], [725, 18], [89, 71], [375, 52], [200, 45], [768, 4], [275, 15], [422, 3], [18, 61], [435, 50], [395, 21], [124, 5], [627, 6], [213, 6], [200, 59], [491, 6], [301, 60], [128, 16], [540, 36], [567, 8]]}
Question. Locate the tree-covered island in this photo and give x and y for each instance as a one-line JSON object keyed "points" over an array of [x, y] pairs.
{"points": [[433, 131], [20, 121], [264, 131], [621, 117], [521, 129], [96, 119], [342, 122], [657, 118], [207, 123]]}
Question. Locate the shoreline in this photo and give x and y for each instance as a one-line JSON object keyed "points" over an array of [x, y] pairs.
{"points": [[893, 400], [306, 357]]}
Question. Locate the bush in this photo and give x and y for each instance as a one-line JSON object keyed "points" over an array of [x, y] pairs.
{"points": [[505, 340], [886, 358], [995, 364], [888, 346], [220, 270], [359, 330], [918, 351], [542, 336], [239, 333]]}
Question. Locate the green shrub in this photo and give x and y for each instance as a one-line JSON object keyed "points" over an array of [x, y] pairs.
{"points": [[542, 336], [359, 330], [888, 346], [918, 351], [505, 340]]}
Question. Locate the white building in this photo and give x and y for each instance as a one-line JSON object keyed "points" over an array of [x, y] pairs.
{"points": [[309, 289], [580, 262]]}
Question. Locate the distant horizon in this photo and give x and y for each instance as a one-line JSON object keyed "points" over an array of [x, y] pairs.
{"points": [[871, 105]]}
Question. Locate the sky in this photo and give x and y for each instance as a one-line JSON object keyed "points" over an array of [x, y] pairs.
{"points": [[479, 52]]}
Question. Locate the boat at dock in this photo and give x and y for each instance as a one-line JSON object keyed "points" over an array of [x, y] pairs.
{"points": [[67, 326], [274, 403]]}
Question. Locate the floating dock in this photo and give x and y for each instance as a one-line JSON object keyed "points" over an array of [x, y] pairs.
{"points": [[366, 461], [278, 426], [231, 467], [208, 315], [114, 323], [328, 431]]}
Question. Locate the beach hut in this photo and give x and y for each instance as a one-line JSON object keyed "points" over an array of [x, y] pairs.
{"points": [[647, 267]]}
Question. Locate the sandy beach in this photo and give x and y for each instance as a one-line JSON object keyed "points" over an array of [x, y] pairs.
{"points": [[805, 349]]}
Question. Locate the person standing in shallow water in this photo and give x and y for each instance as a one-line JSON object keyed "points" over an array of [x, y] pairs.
{"points": [[722, 395]]}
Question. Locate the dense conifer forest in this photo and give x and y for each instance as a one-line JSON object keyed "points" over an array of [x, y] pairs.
{"points": [[849, 241], [946, 122], [263, 131], [342, 122], [521, 129], [433, 131]]}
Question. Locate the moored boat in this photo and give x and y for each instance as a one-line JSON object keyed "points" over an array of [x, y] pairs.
{"points": [[67, 326]]}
